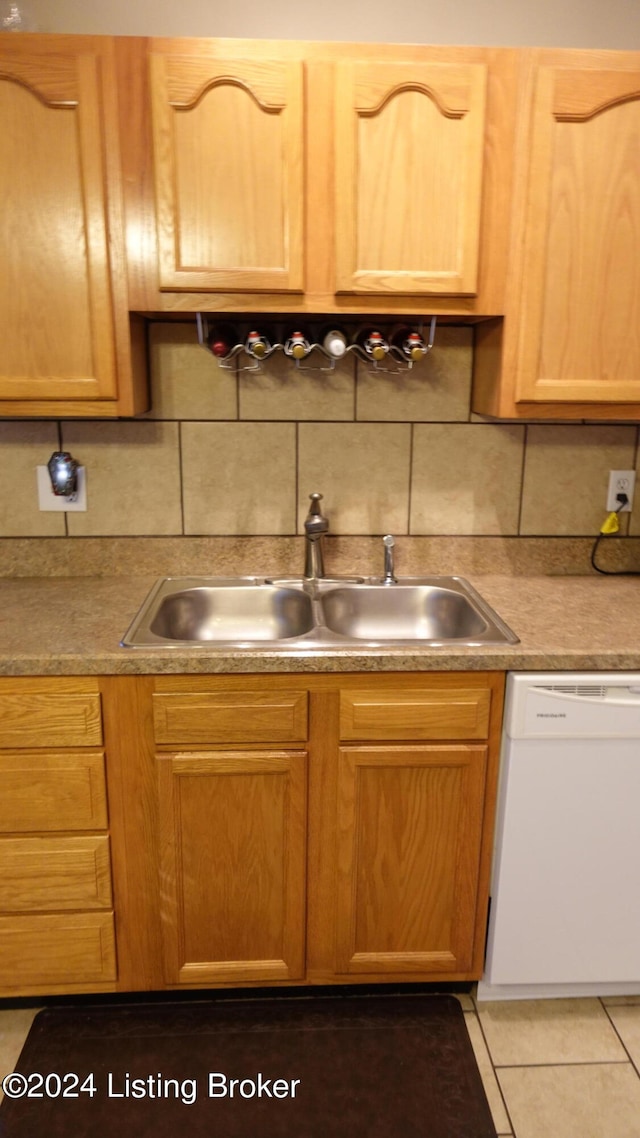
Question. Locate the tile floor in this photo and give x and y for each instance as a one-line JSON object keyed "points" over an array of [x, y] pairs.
{"points": [[566, 1068], [551, 1068]]}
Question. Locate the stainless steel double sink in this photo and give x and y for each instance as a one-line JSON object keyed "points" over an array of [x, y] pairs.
{"points": [[295, 614]]}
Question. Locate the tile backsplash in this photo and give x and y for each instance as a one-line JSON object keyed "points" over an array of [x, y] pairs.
{"points": [[237, 454]]}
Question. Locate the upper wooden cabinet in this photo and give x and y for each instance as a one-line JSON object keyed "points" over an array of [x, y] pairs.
{"points": [[228, 167], [283, 176], [570, 344], [409, 163], [66, 346]]}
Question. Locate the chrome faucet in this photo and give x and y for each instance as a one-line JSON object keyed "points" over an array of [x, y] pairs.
{"points": [[389, 576], [315, 527]]}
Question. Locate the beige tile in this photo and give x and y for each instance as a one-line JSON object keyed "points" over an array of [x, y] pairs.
{"points": [[436, 389], [239, 478], [620, 1001], [566, 475], [187, 382], [626, 1020], [465, 1001], [282, 391], [363, 472], [466, 478], [23, 446], [14, 1028], [590, 1101], [549, 1031], [489, 1081], [133, 477]]}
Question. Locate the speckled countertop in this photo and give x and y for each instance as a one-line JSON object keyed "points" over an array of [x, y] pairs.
{"points": [[73, 626]]}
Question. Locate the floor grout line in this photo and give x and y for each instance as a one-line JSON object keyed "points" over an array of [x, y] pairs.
{"points": [[566, 1063], [495, 1073], [622, 1042]]}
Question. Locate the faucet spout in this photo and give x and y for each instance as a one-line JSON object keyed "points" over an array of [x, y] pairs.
{"points": [[389, 575], [315, 527]]}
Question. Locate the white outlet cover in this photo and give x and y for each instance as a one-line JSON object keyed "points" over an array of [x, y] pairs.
{"points": [[47, 500], [624, 480]]}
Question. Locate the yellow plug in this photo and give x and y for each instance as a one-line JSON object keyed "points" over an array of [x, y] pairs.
{"points": [[610, 523]]}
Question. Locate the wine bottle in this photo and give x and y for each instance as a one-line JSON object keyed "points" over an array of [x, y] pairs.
{"points": [[297, 346], [222, 340], [334, 341], [257, 345], [373, 343], [409, 343]]}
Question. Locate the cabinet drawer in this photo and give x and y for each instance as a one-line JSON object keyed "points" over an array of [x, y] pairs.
{"points": [[422, 713], [56, 791], [54, 874], [46, 714], [230, 717], [60, 948]]}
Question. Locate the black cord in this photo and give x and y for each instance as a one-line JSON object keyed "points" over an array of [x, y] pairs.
{"points": [[622, 499], [610, 572]]}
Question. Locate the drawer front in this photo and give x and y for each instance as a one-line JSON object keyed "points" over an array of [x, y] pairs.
{"points": [[461, 713], [230, 717], [31, 717], [54, 874], [60, 948], [56, 791]]}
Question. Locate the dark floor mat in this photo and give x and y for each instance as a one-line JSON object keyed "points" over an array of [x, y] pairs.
{"points": [[319, 1067]]}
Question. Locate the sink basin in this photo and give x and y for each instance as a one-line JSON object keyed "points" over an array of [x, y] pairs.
{"points": [[330, 614], [196, 612], [405, 612]]}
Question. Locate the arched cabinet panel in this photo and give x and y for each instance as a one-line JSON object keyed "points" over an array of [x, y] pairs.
{"points": [[66, 346], [229, 179], [409, 171], [580, 306]]}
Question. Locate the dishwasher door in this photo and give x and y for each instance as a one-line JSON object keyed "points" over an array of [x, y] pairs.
{"points": [[565, 904]]}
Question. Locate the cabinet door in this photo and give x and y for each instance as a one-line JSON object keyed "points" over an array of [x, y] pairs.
{"points": [[58, 148], [228, 162], [409, 837], [233, 865], [580, 302], [409, 158]]}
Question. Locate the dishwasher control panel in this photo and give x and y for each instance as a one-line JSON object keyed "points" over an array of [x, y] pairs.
{"points": [[554, 706]]}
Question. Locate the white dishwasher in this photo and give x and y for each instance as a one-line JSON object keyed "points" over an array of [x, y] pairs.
{"points": [[565, 894]]}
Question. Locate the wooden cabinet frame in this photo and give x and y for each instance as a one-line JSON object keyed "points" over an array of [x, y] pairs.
{"points": [[143, 821]]}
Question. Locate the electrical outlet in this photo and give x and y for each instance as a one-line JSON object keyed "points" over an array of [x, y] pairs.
{"points": [[47, 500], [620, 482]]}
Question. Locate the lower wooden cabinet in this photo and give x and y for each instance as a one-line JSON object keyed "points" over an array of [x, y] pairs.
{"points": [[261, 829], [70, 952], [301, 829], [57, 927], [232, 865], [407, 857]]}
